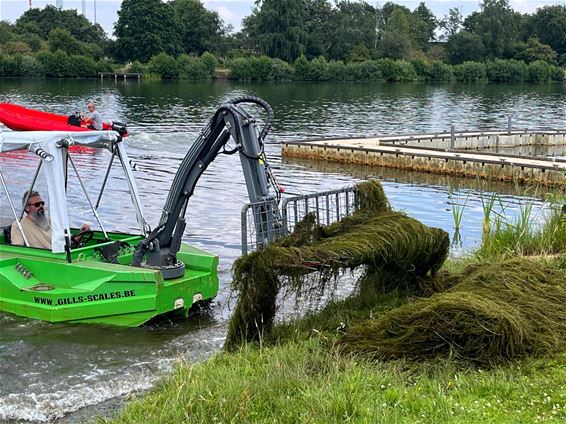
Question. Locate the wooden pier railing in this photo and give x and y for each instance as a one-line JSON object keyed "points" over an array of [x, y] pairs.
{"points": [[120, 75]]}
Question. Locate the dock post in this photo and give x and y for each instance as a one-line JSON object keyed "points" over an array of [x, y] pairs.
{"points": [[509, 124], [452, 136]]}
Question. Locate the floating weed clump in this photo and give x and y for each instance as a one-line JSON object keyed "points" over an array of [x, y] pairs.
{"points": [[396, 249], [492, 312]]}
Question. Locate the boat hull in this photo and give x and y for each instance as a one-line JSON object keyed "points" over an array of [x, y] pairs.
{"points": [[38, 284], [19, 118]]}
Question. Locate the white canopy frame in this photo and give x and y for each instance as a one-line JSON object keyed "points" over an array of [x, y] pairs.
{"points": [[51, 146]]}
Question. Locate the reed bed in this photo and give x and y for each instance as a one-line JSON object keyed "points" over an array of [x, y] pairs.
{"points": [[396, 249], [493, 312]]}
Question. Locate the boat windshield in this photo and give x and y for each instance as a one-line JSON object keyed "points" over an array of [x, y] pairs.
{"points": [[67, 186]]}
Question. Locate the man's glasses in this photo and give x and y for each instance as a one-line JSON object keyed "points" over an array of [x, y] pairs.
{"points": [[37, 204]]}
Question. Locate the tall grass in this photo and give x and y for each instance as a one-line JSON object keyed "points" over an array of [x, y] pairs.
{"points": [[458, 207], [525, 235]]}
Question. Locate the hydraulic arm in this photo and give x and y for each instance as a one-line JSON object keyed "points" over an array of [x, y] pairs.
{"points": [[230, 121]]}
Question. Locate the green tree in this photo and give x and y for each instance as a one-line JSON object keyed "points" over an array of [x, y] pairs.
{"points": [[423, 25], [353, 25], [534, 50], [200, 29], [42, 21], [465, 46], [549, 25], [451, 23], [318, 19], [276, 28], [144, 29], [497, 25], [61, 39]]}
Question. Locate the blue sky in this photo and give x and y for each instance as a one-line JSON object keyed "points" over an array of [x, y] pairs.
{"points": [[232, 11]]}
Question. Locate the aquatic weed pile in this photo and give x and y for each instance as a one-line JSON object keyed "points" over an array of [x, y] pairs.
{"points": [[398, 249], [493, 312]]}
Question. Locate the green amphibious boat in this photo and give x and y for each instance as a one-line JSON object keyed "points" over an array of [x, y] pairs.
{"points": [[100, 276]]}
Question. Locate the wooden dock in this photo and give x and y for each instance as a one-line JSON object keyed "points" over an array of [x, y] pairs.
{"points": [[461, 154], [120, 75]]}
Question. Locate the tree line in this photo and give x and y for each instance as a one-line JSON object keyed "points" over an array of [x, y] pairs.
{"points": [[149, 33]]}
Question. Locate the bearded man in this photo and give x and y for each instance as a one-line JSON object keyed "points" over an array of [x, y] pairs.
{"points": [[36, 225]]}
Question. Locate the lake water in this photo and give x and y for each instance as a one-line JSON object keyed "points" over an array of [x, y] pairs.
{"points": [[50, 371]]}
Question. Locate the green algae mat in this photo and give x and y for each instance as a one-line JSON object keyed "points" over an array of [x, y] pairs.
{"points": [[398, 249]]}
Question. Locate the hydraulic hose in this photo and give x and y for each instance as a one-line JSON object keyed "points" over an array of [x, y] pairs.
{"points": [[266, 106]]}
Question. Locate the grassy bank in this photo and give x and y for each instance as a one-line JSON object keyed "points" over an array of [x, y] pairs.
{"points": [[300, 371], [307, 382]]}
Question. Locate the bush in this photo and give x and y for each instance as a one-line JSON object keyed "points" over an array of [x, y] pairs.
{"points": [[164, 65], [192, 68], [507, 71], [81, 66], [432, 70], [31, 67], [314, 70], [55, 64], [367, 71], [396, 70], [281, 71], [261, 67], [137, 67], [210, 63], [15, 47], [240, 69], [540, 71], [470, 72], [103, 66], [338, 71]]}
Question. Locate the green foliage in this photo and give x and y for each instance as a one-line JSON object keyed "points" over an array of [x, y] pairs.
{"points": [[369, 70], [210, 62], [81, 66], [16, 47], [281, 70], [310, 382], [55, 64], [507, 71], [277, 28], [396, 70], [192, 68], [61, 39], [534, 50], [549, 25], [164, 65], [339, 71], [144, 29], [31, 67], [465, 46], [103, 66], [432, 70], [200, 29], [139, 68], [7, 66], [42, 21], [470, 72], [313, 70], [540, 71], [497, 25], [394, 45]]}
